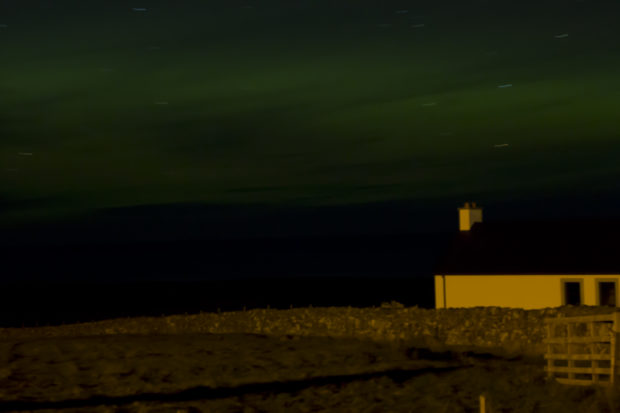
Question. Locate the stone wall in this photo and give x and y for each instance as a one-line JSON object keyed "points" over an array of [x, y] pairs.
{"points": [[511, 330]]}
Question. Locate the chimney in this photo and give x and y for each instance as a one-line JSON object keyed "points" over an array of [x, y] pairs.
{"points": [[469, 214]]}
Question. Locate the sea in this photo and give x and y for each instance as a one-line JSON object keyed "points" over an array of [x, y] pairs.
{"points": [[60, 284]]}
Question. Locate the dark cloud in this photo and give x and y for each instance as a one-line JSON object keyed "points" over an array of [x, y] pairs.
{"points": [[12, 204]]}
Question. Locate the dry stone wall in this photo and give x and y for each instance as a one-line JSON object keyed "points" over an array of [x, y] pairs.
{"points": [[511, 330]]}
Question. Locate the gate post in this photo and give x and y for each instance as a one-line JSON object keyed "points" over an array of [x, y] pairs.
{"points": [[550, 361], [613, 350]]}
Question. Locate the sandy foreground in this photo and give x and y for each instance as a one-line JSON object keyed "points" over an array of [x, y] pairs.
{"points": [[265, 373]]}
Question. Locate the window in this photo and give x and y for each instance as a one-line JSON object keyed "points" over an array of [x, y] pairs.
{"points": [[607, 293], [572, 292]]}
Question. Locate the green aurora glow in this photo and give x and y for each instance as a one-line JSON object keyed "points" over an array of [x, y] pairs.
{"points": [[304, 103]]}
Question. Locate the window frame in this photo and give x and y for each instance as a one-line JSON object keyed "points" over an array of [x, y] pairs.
{"points": [[597, 282], [563, 282]]}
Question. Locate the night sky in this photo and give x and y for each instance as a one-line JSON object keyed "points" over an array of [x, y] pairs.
{"points": [[121, 108]]}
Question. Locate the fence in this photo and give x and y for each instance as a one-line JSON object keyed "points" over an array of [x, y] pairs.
{"points": [[589, 349]]}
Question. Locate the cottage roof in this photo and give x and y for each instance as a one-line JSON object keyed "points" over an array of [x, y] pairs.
{"points": [[561, 247]]}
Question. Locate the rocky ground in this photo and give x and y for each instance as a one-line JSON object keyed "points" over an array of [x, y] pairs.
{"points": [[56, 369]]}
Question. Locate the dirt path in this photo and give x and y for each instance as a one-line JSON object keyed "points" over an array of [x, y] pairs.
{"points": [[255, 373], [124, 368]]}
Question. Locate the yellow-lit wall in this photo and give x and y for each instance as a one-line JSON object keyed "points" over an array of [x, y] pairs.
{"points": [[521, 291]]}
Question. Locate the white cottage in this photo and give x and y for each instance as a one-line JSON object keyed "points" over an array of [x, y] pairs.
{"points": [[529, 264]]}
